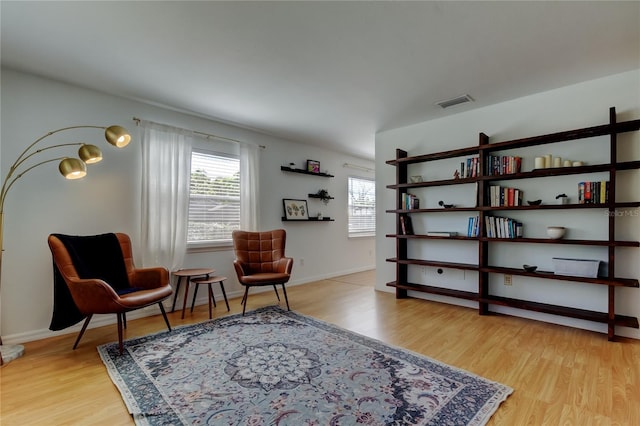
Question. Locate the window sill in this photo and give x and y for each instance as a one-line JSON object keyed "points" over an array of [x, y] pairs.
{"points": [[207, 246], [363, 235]]}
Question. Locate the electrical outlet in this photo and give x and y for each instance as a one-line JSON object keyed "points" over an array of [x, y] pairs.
{"points": [[508, 279]]}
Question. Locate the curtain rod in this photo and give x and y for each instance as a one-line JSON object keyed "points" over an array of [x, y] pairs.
{"points": [[357, 167], [207, 135]]}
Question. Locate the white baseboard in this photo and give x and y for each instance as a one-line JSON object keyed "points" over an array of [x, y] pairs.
{"points": [[108, 319]]}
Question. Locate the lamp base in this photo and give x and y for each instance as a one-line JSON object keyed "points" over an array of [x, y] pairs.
{"points": [[11, 352]]}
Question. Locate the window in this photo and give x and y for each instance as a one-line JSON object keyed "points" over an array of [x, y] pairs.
{"points": [[214, 198], [362, 207]]}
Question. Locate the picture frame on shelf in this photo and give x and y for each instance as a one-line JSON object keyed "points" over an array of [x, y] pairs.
{"points": [[313, 166], [295, 209]]}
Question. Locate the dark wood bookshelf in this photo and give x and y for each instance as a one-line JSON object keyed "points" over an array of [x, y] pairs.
{"points": [[483, 209]]}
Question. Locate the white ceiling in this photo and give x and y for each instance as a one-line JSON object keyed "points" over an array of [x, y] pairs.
{"points": [[325, 73]]}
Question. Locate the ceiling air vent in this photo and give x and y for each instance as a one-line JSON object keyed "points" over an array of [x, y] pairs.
{"points": [[455, 101]]}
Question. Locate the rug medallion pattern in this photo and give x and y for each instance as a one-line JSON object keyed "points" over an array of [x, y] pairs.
{"points": [[274, 367]]}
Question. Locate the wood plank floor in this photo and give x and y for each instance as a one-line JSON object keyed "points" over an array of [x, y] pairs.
{"points": [[561, 376]]}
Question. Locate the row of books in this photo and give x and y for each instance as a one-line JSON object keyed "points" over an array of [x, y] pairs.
{"points": [[470, 168], [473, 228], [593, 192], [503, 227], [410, 202], [504, 196], [496, 227], [503, 165]]}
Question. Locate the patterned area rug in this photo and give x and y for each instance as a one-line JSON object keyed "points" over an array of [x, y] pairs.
{"points": [[275, 367]]}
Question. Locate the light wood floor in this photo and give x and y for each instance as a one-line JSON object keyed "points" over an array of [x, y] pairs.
{"points": [[561, 376]]}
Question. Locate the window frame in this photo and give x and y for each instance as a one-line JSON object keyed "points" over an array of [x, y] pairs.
{"points": [[367, 233], [211, 245]]}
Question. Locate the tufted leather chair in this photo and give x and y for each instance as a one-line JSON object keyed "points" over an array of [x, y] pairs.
{"points": [[145, 287], [260, 261]]}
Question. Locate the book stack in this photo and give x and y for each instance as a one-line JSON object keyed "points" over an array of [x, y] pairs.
{"points": [[593, 192], [503, 165], [470, 168], [473, 229], [406, 226], [503, 227], [502, 196], [441, 234], [410, 202]]}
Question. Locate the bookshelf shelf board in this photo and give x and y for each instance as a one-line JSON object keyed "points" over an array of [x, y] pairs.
{"points": [[434, 210], [601, 317], [460, 294], [563, 171], [562, 206], [615, 282], [442, 182], [421, 262], [433, 237], [600, 243], [462, 152]]}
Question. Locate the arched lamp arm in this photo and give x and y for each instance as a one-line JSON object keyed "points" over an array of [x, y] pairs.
{"points": [[9, 183], [21, 158]]}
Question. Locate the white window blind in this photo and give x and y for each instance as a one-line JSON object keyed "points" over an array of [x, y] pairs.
{"points": [[362, 207], [214, 197]]}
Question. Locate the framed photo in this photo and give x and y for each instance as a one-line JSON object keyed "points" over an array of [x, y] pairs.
{"points": [[295, 209], [313, 166]]}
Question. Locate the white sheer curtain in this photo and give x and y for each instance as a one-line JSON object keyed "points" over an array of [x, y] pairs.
{"points": [[249, 186], [166, 171]]}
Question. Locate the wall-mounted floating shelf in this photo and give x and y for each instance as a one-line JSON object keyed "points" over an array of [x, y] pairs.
{"points": [[319, 197], [304, 172], [311, 219]]}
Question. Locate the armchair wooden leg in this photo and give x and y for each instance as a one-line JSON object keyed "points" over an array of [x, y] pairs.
{"points": [[124, 320], [285, 297], [276, 289], [244, 299], [84, 327], [120, 344], [164, 315]]}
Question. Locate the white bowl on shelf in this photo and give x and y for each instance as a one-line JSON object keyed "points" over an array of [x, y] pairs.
{"points": [[556, 232]]}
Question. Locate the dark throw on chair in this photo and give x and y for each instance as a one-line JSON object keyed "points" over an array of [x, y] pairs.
{"points": [[96, 275]]}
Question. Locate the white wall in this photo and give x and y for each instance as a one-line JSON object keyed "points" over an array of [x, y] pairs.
{"points": [[108, 199], [582, 105]]}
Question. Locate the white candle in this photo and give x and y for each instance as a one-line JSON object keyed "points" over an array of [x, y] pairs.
{"points": [[547, 161], [539, 163], [557, 162], [567, 163], [577, 163]]}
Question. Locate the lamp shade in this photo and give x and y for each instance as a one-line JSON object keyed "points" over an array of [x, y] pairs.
{"points": [[117, 136], [90, 154], [72, 168]]}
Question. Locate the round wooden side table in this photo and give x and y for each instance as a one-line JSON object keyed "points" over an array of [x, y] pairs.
{"points": [[187, 274]]}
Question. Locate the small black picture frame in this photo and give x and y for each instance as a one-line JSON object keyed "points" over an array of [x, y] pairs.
{"points": [[313, 166], [295, 209]]}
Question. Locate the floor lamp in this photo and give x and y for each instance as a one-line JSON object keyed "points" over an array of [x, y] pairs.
{"points": [[70, 168]]}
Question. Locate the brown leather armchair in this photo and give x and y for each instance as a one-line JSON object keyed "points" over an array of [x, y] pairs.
{"points": [[101, 278], [260, 261]]}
